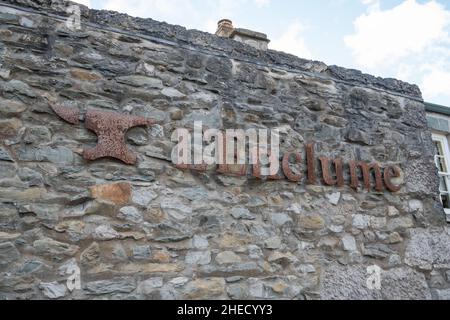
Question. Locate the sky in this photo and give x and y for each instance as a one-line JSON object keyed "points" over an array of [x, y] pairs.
{"points": [[404, 39]]}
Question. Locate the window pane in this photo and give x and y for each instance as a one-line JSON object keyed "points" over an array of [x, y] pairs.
{"points": [[442, 184], [440, 157], [436, 144], [445, 201], [439, 148], [441, 164]]}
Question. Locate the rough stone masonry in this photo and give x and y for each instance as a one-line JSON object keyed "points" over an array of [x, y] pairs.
{"points": [[152, 231]]}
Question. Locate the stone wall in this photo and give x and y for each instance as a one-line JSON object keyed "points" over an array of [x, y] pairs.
{"points": [[152, 231]]}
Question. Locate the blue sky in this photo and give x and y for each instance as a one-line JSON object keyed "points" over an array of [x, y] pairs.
{"points": [[403, 39]]}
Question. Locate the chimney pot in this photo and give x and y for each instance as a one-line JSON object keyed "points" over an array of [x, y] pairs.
{"points": [[225, 22]]}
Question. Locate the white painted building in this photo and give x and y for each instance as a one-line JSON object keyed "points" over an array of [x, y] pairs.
{"points": [[438, 118]]}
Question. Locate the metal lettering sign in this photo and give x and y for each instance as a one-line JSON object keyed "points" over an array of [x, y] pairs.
{"points": [[383, 177], [111, 127]]}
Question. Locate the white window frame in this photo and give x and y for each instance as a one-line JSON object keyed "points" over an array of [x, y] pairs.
{"points": [[443, 140]]}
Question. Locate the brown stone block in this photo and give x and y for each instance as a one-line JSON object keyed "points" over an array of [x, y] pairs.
{"points": [[205, 288], [28, 195], [10, 127], [149, 268], [85, 75], [117, 193], [312, 222], [161, 256]]}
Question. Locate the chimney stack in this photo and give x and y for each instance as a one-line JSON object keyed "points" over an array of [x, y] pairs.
{"points": [[258, 40], [224, 28]]}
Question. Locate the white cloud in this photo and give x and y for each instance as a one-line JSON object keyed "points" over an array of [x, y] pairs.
{"points": [[180, 12], [229, 9], [405, 71], [202, 15], [436, 83], [383, 37], [85, 2], [373, 5], [291, 41], [261, 3]]}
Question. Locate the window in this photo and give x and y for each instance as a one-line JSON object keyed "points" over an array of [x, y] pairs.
{"points": [[442, 161]]}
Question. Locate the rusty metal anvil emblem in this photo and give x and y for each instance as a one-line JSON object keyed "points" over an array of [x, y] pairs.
{"points": [[110, 128]]}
